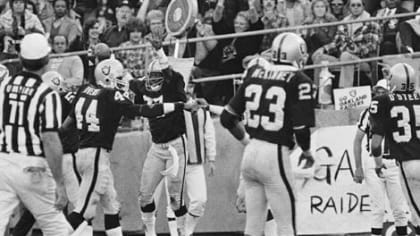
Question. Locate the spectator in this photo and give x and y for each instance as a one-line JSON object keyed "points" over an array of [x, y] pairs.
{"points": [[410, 35], [45, 10], [17, 21], [155, 23], [88, 40], [71, 67], [372, 6], [229, 53], [338, 9], [317, 37], [271, 19], [390, 27], [117, 34], [87, 9], [62, 24], [135, 60], [4, 6], [149, 5], [8, 51], [296, 11], [352, 42], [31, 7]]}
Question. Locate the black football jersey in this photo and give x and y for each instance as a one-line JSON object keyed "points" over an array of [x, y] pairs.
{"points": [[170, 126], [397, 118], [274, 99], [98, 111], [69, 138]]}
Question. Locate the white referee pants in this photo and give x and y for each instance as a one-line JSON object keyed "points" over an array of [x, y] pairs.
{"points": [[35, 189], [389, 186], [410, 171], [268, 180], [196, 186]]}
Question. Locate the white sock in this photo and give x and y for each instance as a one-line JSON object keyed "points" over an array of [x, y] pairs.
{"points": [[270, 228], [149, 221], [190, 223], [114, 232], [173, 227], [89, 230], [180, 221]]}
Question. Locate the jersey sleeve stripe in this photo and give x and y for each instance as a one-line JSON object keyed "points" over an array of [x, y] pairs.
{"points": [[52, 114], [363, 122]]}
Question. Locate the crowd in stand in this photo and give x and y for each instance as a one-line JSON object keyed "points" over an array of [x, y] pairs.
{"points": [[92, 25]]}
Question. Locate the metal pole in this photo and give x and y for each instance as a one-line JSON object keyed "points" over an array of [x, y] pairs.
{"points": [[311, 67], [235, 35]]}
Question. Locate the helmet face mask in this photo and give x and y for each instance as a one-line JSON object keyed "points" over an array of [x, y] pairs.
{"points": [[154, 81], [154, 77]]}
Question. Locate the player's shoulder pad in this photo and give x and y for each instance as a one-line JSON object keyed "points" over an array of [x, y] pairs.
{"points": [[382, 99], [258, 62], [119, 96]]}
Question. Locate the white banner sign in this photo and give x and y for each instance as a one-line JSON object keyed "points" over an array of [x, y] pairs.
{"points": [[330, 202], [354, 97]]}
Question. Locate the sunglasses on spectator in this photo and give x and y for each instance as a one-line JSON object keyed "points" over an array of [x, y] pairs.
{"points": [[356, 5], [337, 5]]}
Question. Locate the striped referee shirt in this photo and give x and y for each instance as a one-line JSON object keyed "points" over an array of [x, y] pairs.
{"points": [[201, 136], [364, 126], [28, 107]]}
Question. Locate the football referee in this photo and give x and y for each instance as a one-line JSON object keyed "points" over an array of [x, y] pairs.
{"points": [[30, 148]]}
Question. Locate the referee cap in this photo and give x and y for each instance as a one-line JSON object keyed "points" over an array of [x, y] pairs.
{"points": [[383, 83], [34, 46]]}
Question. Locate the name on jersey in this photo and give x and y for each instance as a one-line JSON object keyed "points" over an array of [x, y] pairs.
{"points": [[19, 89], [262, 73], [404, 97], [91, 91]]}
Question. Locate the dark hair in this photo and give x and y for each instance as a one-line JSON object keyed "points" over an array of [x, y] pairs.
{"points": [[87, 26], [33, 7], [34, 65], [66, 1], [135, 24], [60, 35]]}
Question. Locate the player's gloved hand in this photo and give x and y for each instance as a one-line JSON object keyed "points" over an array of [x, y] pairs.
{"points": [[191, 105], [379, 170], [308, 158], [212, 168], [202, 102], [358, 175], [61, 197]]}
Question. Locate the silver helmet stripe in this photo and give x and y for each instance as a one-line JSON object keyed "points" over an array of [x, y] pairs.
{"points": [[407, 88]]}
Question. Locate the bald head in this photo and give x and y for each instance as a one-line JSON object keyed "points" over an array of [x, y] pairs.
{"points": [[102, 51]]}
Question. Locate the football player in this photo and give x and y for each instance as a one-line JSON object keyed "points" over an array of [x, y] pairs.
{"points": [[390, 185], [276, 100], [395, 117], [167, 155], [96, 115]]}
